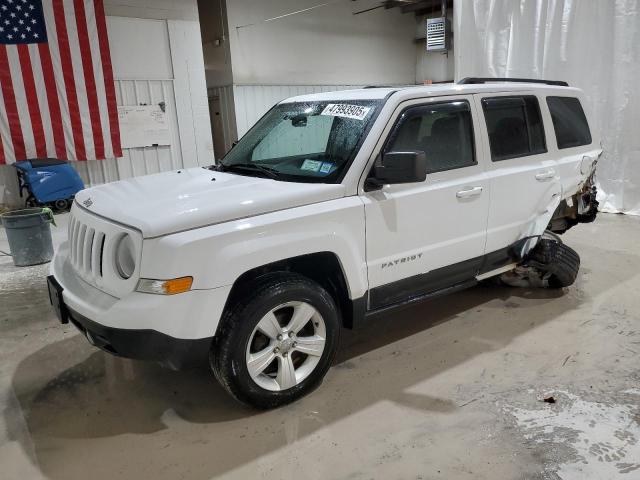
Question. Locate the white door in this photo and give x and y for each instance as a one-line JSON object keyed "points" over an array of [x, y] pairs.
{"points": [[423, 237], [525, 185]]}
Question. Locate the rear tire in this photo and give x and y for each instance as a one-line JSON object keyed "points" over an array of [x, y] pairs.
{"points": [[558, 263], [263, 363]]}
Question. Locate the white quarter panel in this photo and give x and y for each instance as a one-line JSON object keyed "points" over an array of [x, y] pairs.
{"points": [[218, 254], [574, 165]]}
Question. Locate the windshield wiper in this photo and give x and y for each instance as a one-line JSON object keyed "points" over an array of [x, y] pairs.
{"points": [[252, 167]]}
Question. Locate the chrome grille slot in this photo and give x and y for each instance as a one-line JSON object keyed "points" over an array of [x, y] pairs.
{"points": [[96, 253], [80, 251], [70, 230], [102, 255], [72, 226], [86, 247], [76, 238]]}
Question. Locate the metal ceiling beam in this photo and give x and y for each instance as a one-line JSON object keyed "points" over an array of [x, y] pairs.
{"points": [[420, 6]]}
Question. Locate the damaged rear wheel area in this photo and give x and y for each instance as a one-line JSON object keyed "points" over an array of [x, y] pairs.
{"points": [[550, 264], [579, 208]]}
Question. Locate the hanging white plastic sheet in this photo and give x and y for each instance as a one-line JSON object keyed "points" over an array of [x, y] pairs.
{"points": [[592, 44]]}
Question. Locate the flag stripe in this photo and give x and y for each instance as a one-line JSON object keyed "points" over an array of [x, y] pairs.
{"points": [[107, 69], [5, 133], [60, 86], [41, 95], [13, 119], [78, 75], [21, 102], [3, 160], [94, 45], [32, 100], [89, 79], [69, 81], [52, 100]]}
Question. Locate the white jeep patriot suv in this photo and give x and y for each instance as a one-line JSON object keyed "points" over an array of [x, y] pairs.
{"points": [[333, 207]]}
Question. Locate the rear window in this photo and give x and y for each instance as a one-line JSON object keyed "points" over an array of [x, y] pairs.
{"points": [[569, 122], [515, 126]]}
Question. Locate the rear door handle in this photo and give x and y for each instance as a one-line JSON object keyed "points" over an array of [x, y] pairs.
{"points": [[545, 175], [469, 192]]}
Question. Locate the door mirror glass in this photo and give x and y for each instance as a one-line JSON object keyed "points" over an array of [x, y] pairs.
{"points": [[400, 167]]}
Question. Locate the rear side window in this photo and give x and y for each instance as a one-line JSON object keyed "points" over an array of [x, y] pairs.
{"points": [[515, 126], [443, 131], [569, 122]]}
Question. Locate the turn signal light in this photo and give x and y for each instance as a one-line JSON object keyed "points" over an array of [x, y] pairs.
{"points": [[165, 287]]}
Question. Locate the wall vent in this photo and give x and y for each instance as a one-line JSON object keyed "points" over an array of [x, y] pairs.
{"points": [[438, 34]]}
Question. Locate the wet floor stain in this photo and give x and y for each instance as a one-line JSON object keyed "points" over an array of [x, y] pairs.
{"points": [[594, 439]]}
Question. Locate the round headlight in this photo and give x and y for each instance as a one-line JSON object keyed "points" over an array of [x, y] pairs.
{"points": [[125, 257]]}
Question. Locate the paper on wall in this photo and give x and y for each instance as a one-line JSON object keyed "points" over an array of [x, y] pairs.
{"points": [[143, 126]]}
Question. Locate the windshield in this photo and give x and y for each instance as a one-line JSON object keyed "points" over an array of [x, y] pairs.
{"points": [[303, 142]]}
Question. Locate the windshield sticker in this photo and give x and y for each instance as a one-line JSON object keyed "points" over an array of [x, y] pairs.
{"points": [[356, 112], [326, 167], [311, 165]]}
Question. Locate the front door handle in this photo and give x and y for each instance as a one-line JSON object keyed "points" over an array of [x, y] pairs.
{"points": [[545, 175], [468, 192]]}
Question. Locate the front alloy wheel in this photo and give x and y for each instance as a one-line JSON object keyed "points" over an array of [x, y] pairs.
{"points": [[286, 346], [276, 340]]}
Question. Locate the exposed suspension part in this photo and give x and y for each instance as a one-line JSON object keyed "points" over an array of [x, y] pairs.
{"points": [[579, 208]]}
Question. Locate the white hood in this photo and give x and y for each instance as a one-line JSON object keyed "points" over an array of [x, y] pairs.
{"points": [[180, 200]]}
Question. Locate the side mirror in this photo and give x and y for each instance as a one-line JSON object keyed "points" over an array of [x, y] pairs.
{"points": [[398, 167]]}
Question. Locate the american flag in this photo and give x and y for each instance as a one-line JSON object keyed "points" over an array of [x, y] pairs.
{"points": [[57, 94]]}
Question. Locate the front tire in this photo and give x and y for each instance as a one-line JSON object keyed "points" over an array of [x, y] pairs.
{"points": [[276, 340]]}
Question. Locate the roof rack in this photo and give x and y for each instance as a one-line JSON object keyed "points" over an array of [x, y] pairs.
{"points": [[476, 80]]}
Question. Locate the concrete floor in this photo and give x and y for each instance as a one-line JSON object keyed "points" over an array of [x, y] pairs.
{"points": [[449, 389]]}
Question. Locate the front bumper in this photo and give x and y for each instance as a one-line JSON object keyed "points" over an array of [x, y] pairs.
{"points": [[171, 329], [144, 344]]}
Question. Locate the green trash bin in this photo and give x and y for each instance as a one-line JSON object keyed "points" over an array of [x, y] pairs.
{"points": [[29, 235]]}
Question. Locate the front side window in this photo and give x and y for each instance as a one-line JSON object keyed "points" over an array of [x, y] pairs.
{"points": [[306, 142], [569, 122], [443, 131], [515, 126]]}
